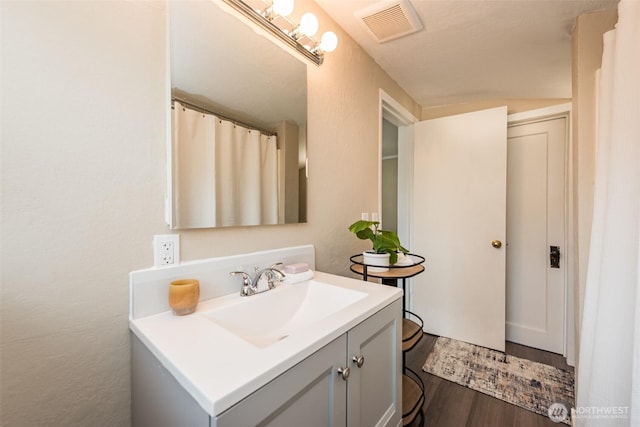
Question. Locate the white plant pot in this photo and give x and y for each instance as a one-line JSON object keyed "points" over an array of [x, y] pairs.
{"points": [[380, 262]]}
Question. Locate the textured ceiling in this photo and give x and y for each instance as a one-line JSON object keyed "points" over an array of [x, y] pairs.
{"points": [[476, 49]]}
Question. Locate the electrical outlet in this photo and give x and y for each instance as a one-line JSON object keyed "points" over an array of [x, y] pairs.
{"points": [[166, 250]]}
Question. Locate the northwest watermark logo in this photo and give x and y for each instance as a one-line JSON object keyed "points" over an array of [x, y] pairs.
{"points": [[558, 412], [602, 412]]}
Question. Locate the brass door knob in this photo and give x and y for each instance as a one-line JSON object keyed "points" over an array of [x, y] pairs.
{"points": [[496, 244]]}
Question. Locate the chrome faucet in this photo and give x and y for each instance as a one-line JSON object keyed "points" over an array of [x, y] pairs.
{"points": [[264, 280]]}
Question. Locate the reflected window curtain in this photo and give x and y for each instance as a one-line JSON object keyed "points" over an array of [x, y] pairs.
{"points": [[246, 176], [609, 358], [193, 163]]}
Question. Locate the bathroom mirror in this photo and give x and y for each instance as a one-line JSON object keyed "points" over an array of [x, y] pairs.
{"points": [[223, 65]]}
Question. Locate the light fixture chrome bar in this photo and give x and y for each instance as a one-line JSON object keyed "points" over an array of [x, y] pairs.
{"points": [[316, 57]]}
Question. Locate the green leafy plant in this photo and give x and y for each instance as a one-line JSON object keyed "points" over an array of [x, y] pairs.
{"points": [[384, 241]]}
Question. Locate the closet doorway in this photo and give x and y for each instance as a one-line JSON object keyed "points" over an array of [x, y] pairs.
{"points": [[394, 204], [389, 166]]}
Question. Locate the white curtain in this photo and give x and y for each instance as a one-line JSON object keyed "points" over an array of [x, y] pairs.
{"points": [[609, 364], [227, 175], [246, 176], [193, 159]]}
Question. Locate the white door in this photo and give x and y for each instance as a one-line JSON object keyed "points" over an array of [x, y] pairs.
{"points": [[535, 223], [459, 208]]}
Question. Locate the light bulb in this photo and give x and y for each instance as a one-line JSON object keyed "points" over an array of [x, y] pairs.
{"points": [[329, 41], [283, 7], [308, 24]]}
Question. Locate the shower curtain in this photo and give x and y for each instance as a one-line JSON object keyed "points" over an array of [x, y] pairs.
{"points": [[224, 173], [608, 389]]}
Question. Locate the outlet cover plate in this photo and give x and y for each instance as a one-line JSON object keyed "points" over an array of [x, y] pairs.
{"points": [[166, 250]]}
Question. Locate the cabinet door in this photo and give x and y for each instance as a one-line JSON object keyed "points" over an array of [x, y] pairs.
{"points": [[374, 390], [309, 394]]}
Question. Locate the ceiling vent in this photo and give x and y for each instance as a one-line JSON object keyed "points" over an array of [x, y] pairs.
{"points": [[389, 20]]}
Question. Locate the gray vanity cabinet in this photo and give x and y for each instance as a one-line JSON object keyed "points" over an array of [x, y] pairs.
{"points": [[315, 392]]}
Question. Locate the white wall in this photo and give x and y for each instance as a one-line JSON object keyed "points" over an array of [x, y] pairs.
{"points": [[83, 174]]}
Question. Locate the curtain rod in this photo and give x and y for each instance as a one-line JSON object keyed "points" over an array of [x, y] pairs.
{"points": [[203, 109]]}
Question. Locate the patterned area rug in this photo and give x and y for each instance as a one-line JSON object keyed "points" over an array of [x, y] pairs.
{"points": [[530, 385]]}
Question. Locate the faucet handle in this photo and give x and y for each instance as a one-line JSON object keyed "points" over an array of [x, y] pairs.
{"points": [[277, 275], [277, 271], [247, 288], [245, 276]]}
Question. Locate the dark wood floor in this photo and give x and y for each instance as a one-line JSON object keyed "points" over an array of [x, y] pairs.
{"points": [[451, 405]]}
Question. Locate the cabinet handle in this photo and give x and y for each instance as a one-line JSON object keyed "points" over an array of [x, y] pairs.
{"points": [[358, 360], [344, 373]]}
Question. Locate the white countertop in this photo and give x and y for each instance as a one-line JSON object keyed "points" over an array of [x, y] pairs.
{"points": [[219, 369]]}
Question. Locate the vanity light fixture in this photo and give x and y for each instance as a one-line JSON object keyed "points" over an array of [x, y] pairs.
{"points": [[272, 16], [282, 7], [308, 24], [329, 41]]}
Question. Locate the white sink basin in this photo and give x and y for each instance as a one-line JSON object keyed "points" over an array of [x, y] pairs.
{"points": [[272, 316]]}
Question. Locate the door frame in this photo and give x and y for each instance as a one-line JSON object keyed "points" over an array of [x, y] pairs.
{"points": [[547, 113], [394, 112]]}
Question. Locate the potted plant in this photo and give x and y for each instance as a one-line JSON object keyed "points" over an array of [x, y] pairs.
{"points": [[385, 243]]}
